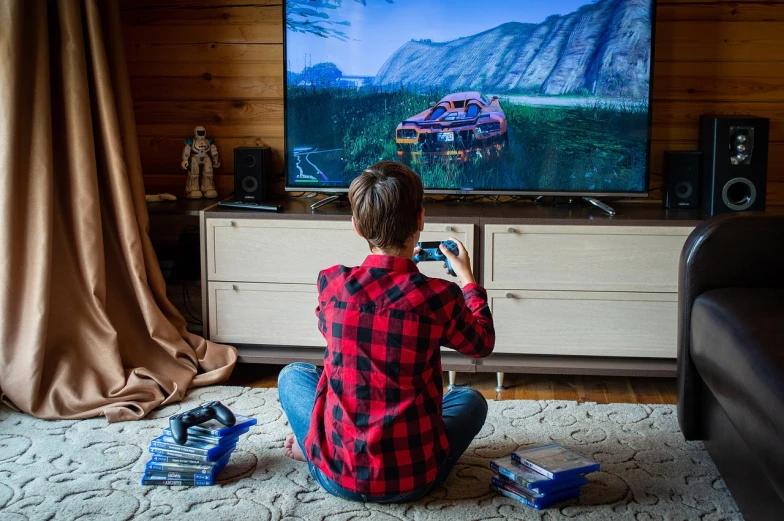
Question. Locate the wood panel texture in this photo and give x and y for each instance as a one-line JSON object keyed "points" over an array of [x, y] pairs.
{"points": [[218, 63]]}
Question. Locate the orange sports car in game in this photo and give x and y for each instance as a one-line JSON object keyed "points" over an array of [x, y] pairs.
{"points": [[462, 126]]}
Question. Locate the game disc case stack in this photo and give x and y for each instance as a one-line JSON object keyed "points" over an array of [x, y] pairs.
{"points": [[541, 476], [199, 461]]}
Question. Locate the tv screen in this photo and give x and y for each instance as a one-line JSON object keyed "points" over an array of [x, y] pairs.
{"points": [[535, 97]]}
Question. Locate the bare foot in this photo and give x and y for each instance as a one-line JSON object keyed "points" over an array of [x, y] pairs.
{"points": [[293, 450]]}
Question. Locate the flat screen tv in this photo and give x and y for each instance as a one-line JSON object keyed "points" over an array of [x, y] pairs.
{"points": [[540, 97]]}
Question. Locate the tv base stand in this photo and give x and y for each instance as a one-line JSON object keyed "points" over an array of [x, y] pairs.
{"points": [[326, 200], [603, 206]]}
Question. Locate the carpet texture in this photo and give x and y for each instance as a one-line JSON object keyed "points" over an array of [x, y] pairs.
{"points": [[91, 470]]}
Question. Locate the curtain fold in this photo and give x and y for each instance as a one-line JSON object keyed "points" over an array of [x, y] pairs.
{"points": [[86, 328]]}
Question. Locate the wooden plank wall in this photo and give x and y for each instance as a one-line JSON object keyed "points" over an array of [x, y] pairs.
{"points": [[218, 63]]}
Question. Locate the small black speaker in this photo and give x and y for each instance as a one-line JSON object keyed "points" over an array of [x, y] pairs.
{"points": [[735, 163], [251, 174], [683, 174]]}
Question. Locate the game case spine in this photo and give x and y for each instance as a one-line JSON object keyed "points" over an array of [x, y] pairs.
{"points": [[515, 487], [175, 483], [517, 478], [177, 460], [206, 438], [177, 467], [210, 470], [512, 495], [193, 458], [190, 476], [164, 442], [536, 500]]}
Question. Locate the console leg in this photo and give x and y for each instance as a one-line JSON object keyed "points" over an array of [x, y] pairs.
{"points": [[324, 201], [452, 377], [499, 382], [603, 206]]}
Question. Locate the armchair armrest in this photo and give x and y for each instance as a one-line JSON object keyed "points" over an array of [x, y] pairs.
{"points": [[743, 250]]}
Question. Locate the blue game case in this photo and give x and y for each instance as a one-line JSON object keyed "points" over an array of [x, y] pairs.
{"points": [[216, 428], [555, 461], [208, 438], [200, 477], [175, 482], [533, 481], [210, 469], [538, 501], [186, 459], [191, 458], [189, 447], [519, 473]]}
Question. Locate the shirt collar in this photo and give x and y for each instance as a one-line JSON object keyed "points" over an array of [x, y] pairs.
{"points": [[390, 262]]}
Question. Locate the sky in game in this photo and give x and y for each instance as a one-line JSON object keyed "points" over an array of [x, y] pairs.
{"points": [[378, 29]]}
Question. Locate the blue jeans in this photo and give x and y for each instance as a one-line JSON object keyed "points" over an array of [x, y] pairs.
{"points": [[464, 413]]}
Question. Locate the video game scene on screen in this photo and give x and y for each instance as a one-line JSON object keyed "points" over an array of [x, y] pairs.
{"points": [[542, 95]]}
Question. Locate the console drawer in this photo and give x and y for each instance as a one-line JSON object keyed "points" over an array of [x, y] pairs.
{"points": [[287, 251], [583, 258], [294, 251], [270, 314], [585, 323]]}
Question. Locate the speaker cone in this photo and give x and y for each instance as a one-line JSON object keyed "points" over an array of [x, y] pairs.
{"points": [[683, 189], [739, 193], [249, 184]]}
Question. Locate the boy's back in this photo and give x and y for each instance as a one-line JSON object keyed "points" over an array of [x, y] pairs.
{"points": [[377, 425]]}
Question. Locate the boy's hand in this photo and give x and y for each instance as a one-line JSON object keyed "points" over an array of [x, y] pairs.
{"points": [[461, 264]]}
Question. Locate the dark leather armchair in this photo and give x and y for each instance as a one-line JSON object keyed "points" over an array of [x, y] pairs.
{"points": [[731, 354]]}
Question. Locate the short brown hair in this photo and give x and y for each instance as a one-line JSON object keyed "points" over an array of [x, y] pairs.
{"points": [[386, 200]]}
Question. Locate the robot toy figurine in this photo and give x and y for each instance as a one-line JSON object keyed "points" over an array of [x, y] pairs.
{"points": [[195, 152]]}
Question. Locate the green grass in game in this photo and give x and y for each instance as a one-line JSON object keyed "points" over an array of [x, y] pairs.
{"points": [[594, 146]]}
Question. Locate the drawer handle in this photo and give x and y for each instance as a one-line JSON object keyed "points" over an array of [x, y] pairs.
{"points": [[234, 287], [232, 223], [511, 230], [510, 295], [448, 228]]}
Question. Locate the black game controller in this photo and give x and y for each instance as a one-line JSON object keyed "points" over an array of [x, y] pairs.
{"points": [[179, 423]]}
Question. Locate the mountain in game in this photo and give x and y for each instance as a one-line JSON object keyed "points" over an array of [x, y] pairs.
{"points": [[602, 49]]}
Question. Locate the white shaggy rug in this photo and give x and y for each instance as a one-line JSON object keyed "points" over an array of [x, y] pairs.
{"points": [[52, 470]]}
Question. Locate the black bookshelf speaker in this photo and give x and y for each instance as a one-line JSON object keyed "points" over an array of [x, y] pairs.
{"points": [[735, 163], [251, 174], [683, 174]]}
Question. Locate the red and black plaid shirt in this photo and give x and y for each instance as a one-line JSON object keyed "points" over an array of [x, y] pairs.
{"points": [[376, 426]]}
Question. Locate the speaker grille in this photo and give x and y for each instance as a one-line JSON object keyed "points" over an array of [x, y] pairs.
{"points": [[251, 173]]}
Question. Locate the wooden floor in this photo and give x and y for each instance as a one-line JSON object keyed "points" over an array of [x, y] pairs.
{"points": [[599, 389]]}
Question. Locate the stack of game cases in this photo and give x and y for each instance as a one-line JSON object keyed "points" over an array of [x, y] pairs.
{"points": [[541, 476], [200, 459]]}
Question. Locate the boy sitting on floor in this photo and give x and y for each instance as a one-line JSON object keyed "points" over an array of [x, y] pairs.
{"points": [[375, 424]]}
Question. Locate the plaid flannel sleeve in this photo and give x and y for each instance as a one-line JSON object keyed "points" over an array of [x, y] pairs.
{"points": [[322, 321], [470, 328]]}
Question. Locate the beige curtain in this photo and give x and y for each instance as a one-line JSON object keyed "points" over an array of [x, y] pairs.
{"points": [[85, 325]]}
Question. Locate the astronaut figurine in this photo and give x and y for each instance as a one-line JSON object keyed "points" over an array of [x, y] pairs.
{"points": [[195, 151]]}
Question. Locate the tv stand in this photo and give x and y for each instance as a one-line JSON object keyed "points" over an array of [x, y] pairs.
{"points": [[597, 203], [326, 200], [569, 293]]}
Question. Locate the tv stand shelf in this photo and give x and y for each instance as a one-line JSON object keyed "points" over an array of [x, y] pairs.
{"points": [[572, 290]]}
